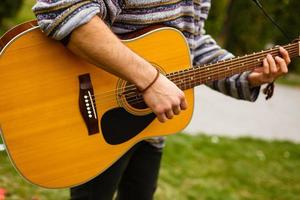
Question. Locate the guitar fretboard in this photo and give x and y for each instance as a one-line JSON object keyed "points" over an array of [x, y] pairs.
{"points": [[189, 78]]}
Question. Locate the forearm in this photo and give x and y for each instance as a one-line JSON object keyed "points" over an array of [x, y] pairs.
{"points": [[96, 43]]}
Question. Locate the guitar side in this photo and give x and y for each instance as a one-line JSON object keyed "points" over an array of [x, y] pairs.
{"points": [[42, 126]]}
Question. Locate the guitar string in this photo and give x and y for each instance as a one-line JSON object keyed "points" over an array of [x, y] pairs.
{"points": [[219, 72], [204, 77], [186, 73], [197, 68], [172, 75], [194, 73], [213, 65], [139, 97], [191, 82], [131, 100]]}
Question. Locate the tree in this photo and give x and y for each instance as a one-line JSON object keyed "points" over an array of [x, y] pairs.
{"points": [[245, 29], [9, 8], [217, 16]]}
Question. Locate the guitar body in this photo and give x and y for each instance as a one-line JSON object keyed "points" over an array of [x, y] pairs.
{"points": [[43, 127]]}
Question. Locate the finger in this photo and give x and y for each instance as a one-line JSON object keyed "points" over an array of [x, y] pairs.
{"points": [[169, 114], [272, 64], [266, 67], [282, 64], [176, 110], [183, 104], [285, 55], [162, 117]]}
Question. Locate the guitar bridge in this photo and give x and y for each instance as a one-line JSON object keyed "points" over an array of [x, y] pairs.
{"points": [[87, 104]]}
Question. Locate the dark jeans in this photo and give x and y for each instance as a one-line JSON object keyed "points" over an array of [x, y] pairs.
{"points": [[134, 176]]}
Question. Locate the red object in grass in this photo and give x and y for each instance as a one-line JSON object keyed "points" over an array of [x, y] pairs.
{"points": [[2, 194]]}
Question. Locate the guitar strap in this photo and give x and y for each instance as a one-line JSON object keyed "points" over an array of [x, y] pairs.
{"points": [[269, 90]]}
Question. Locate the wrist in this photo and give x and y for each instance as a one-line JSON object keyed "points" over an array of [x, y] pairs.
{"points": [[253, 80], [150, 84], [145, 76]]}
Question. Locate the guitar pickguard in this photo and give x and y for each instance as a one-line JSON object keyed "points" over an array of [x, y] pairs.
{"points": [[119, 126]]}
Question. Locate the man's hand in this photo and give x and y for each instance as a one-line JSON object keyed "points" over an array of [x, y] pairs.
{"points": [[272, 68], [165, 99]]}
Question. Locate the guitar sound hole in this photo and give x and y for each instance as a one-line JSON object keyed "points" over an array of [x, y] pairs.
{"points": [[133, 97]]}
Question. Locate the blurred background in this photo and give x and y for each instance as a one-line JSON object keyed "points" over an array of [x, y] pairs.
{"points": [[225, 155]]}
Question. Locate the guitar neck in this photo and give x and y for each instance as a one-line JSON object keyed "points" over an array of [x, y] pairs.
{"points": [[190, 78]]}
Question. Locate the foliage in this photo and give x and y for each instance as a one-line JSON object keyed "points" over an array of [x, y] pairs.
{"points": [[203, 167], [216, 19], [244, 29], [24, 14], [9, 8]]}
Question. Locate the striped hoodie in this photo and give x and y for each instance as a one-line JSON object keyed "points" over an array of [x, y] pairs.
{"points": [[57, 19]]}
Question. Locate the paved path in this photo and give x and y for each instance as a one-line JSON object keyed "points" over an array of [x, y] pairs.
{"points": [[277, 118]]}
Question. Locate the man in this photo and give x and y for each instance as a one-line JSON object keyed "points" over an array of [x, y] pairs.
{"points": [[88, 28]]}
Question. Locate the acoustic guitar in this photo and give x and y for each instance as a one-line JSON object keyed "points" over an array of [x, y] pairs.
{"points": [[64, 121]]}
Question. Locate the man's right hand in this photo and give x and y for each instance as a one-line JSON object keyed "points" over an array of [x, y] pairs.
{"points": [[165, 99]]}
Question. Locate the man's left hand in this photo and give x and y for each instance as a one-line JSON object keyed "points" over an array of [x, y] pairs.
{"points": [[272, 68]]}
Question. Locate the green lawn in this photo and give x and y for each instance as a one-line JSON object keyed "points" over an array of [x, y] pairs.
{"points": [[203, 167]]}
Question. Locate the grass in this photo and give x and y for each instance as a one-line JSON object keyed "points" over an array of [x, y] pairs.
{"points": [[203, 167]]}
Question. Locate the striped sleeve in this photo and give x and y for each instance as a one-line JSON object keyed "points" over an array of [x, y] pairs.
{"points": [[59, 18], [237, 86]]}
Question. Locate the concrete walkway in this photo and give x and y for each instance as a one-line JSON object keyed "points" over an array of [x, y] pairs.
{"points": [[277, 118]]}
